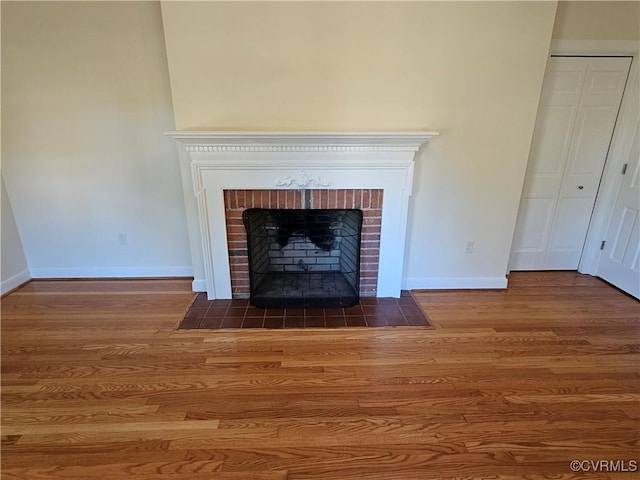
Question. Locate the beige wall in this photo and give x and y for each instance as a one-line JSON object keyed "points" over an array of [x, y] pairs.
{"points": [[86, 98], [471, 70], [580, 20], [14, 264], [85, 103]]}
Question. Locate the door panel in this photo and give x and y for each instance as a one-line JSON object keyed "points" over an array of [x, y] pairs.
{"points": [[556, 129], [624, 233], [594, 123], [565, 246], [603, 77], [620, 260], [579, 105]]}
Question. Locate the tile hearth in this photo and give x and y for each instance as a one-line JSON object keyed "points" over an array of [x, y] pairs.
{"points": [[238, 313]]}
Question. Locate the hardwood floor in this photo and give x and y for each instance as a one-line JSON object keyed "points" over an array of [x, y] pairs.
{"points": [[97, 384]]}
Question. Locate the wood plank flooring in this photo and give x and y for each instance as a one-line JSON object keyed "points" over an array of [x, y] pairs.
{"points": [[98, 384]]}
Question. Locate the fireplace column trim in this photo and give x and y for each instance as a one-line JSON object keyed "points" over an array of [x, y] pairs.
{"points": [[257, 160]]}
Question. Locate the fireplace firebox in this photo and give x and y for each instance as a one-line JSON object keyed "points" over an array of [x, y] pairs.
{"points": [[303, 257]]}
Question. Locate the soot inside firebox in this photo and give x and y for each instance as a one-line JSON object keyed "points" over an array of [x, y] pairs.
{"points": [[303, 257]]}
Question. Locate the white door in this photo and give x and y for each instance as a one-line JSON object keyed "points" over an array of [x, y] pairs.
{"points": [[620, 260], [578, 109]]}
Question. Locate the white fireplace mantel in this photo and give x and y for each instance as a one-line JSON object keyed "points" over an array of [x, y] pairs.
{"points": [[297, 160]]}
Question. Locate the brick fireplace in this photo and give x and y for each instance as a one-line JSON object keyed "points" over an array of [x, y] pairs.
{"points": [[367, 200], [228, 172]]}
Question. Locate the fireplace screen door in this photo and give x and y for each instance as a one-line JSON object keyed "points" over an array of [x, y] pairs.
{"points": [[303, 257]]}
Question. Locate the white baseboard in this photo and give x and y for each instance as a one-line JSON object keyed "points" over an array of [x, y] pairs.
{"points": [[199, 285], [14, 281], [445, 283], [112, 272]]}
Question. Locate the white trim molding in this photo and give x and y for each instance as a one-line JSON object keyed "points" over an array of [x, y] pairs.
{"points": [[301, 141], [199, 285], [595, 47], [273, 160], [451, 283], [14, 281], [112, 272]]}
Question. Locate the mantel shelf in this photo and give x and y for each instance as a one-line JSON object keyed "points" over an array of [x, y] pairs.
{"points": [[302, 141]]}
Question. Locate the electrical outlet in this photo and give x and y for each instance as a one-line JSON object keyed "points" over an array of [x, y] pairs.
{"points": [[122, 239], [468, 246]]}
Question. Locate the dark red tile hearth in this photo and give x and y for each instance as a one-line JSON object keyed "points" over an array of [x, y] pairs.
{"points": [[253, 322], [356, 321], [376, 321], [334, 322], [274, 322], [189, 322], [294, 322], [238, 313], [211, 322], [314, 322], [232, 322]]}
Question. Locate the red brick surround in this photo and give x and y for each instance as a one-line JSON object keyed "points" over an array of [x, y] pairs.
{"points": [[369, 201]]}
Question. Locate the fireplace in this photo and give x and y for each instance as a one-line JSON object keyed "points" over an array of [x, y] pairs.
{"points": [[367, 201], [329, 167], [303, 257]]}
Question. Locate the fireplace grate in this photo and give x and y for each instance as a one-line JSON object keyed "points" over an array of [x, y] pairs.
{"points": [[303, 257]]}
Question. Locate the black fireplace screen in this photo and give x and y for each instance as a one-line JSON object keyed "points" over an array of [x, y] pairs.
{"points": [[303, 257]]}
